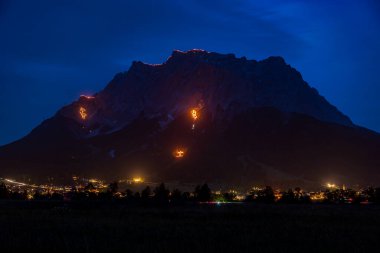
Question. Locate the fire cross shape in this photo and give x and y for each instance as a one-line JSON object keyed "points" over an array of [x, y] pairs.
{"points": [[179, 153], [83, 113]]}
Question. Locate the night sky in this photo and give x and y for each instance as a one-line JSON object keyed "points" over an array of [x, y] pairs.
{"points": [[53, 51]]}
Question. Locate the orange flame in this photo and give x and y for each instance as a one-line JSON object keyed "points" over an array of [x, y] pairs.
{"points": [[179, 153], [83, 113], [194, 114]]}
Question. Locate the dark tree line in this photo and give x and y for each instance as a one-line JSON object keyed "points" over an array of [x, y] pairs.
{"points": [[350, 196], [265, 195], [160, 194], [296, 196], [202, 193]]}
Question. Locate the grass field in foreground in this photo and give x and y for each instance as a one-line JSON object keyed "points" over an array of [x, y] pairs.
{"points": [[46, 227]]}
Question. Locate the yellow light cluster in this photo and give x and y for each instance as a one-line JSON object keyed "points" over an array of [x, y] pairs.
{"points": [[331, 185], [137, 180], [317, 196]]}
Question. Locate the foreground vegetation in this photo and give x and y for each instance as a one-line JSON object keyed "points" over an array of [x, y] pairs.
{"points": [[202, 193], [160, 220], [54, 226]]}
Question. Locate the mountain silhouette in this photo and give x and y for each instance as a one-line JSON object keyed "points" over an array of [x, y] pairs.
{"points": [[235, 122]]}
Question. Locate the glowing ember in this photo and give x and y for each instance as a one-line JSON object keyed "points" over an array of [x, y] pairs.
{"points": [[83, 113], [179, 153], [87, 97], [194, 114]]}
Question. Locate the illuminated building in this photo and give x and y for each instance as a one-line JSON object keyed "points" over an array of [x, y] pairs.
{"points": [[277, 195], [331, 186], [317, 196], [137, 180]]}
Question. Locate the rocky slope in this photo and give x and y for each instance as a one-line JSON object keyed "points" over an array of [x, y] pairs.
{"points": [[257, 122], [200, 79]]}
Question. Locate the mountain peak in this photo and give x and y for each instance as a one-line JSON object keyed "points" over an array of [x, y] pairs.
{"points": [[221, 82], [194, 51], [200, 54], [256, 116], [275, 60]]}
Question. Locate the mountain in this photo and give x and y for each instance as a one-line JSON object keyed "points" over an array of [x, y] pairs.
{"points": [[197, 78], [257, 122]]}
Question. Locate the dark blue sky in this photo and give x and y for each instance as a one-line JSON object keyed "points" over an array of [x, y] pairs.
{"points": [[53, 51]]}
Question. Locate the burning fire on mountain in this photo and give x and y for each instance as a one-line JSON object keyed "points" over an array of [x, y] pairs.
{"points": [[83, 113]]}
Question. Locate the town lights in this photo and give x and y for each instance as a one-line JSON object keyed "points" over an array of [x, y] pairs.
{"points": [[331, 186], [83, 113], [137, 180]]}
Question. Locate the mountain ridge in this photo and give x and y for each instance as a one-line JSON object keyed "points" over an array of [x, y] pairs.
{"points": [[255, 121], [224, 80]]}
